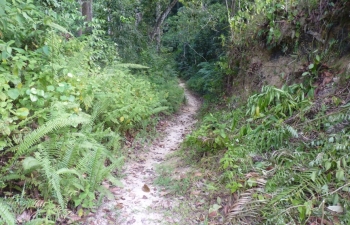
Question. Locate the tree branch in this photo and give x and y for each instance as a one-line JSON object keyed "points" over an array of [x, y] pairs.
{"points": [[161, 19]]}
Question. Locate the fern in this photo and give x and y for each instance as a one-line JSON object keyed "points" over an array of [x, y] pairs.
{"points": [[99, 107], [39, 221], [6, 214], [159, 109], [69, 156], [35, 136], [292, 131], [130, 65], [52, 176]]}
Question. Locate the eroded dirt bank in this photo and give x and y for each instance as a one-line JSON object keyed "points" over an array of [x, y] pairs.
{"points": [[139, 201]]}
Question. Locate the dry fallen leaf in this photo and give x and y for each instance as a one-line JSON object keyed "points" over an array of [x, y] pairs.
{"points": [[213, 214], [163, 193], [24, 217], [74, 218], [182, 176], [196, 192], [198, 174], [145, 188], [251, 174], [115, 190], [120, 206]]}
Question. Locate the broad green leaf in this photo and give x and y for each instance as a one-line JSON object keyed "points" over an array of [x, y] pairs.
{"points": [[3, 144], [340, 174], [318, 58], [33, 91], [331, 140], [313, 175], [9, 50], [41, 93], [33, 98], [22, 113], [50, 88], [3, 97], [60, 89], [13, 93], [71, 98], [46, 50]]}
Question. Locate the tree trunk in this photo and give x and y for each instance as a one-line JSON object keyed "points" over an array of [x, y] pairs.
{"points": [[160, 20], [86, 12]]}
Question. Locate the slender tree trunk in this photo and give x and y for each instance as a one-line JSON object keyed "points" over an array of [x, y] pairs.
{"points": [[160, 19], [80, 32], [86, 12]]}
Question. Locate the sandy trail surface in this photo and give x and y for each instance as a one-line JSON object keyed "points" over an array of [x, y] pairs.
{"points": [[139, 202]]}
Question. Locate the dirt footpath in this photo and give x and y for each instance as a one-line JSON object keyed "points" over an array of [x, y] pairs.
{"points": [[139, 201]]}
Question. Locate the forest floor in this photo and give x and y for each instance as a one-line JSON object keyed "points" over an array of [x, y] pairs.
{"points": [[141, 201]]}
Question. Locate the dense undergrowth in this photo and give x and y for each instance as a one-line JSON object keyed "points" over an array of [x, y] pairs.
{"points": [[67, 105], [294, 168], [283, 150]]}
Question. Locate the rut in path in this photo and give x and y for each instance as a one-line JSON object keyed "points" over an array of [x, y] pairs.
{"points": [[138, 204]]}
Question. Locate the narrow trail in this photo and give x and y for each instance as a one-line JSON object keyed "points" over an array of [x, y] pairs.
{"points": [[139, 202]]}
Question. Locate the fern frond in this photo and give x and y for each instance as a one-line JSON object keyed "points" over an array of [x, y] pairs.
{"points": [[159, 109], [39, 221], [69, 157], [52, 176], [6, 214], [130, 65], [95, 168], [99, 107], [292, 131], [36, 135], [245, 207]]}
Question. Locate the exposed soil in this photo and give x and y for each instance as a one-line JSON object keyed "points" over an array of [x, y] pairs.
{"points": [[139, 202]]}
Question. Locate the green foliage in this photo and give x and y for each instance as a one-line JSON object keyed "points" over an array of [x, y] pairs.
{"points": [[210, 137], [5, 214], [207, 80], [194, 32], [280, 100], [299, 166], [66, 104]]}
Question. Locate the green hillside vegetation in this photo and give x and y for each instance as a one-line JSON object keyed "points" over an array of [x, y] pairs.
{"points": [[275, 122], [80, 82]]}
